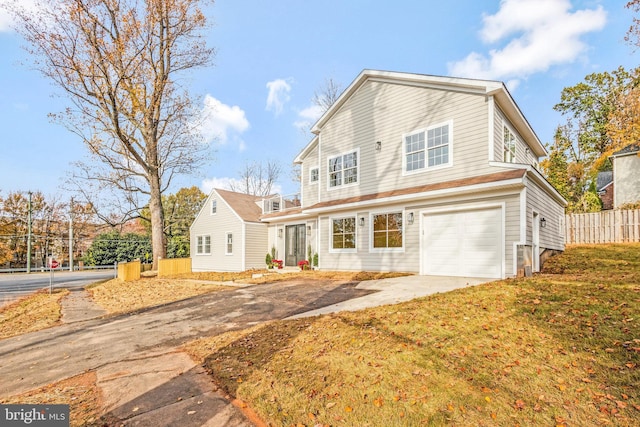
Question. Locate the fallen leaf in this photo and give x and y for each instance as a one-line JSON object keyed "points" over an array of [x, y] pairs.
{"points": [[487, 398], [520, 404], [348, 409], [330, 405], [191, 412]]}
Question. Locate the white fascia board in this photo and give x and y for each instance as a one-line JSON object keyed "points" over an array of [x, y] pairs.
{"points": [[516, 182], [305, 151], [282, 218]]}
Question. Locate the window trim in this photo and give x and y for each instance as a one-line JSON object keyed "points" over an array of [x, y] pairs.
{"points": [[425, 130], [214, 207], [343, 185], [506, 127], [355, 234], [402, 213], [200, 248], [311, 180], [226, 243]]}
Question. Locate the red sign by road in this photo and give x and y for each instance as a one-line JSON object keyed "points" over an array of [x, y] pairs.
{"points": [[54, 264]]}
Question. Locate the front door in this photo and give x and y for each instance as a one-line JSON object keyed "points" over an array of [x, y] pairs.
{"points": [[295, 244]]}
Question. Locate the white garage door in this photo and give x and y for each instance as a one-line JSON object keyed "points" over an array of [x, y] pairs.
{"points": [[466, 243]]}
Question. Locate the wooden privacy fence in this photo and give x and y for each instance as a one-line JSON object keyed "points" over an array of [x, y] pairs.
{"points": [[129, 271], [170, 266], [615, 226]]}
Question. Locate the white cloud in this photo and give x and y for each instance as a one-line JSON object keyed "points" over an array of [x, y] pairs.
{"points": [[279, 90], [222, 122], [545, 33], [6, 20], [308, 117], [221, 183]]}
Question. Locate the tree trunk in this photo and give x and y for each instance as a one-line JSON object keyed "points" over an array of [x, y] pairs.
{"points": [[157, 220]]}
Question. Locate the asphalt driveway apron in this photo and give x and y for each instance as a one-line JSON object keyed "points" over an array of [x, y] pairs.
{"points": [[139, 349]]}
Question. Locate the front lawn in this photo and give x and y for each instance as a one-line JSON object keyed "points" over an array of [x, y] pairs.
{"points": [[559, 348], [37, 311]]}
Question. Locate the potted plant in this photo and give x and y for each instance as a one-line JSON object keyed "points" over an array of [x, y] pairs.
{"points": [[304, 264], [269, 261], [315, 260]]}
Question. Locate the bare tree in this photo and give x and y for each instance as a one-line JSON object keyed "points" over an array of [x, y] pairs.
{"points": [[257, 179], [118, 62], [327, 94]]}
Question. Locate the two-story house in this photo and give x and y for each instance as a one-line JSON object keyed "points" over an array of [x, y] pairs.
{"points": [[418, 173]]}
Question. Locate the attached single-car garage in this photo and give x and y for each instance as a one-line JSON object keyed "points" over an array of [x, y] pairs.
{"points": [[465, 243]]}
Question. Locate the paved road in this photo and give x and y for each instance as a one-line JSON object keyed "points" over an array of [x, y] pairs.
{"points": [[13, 286]]}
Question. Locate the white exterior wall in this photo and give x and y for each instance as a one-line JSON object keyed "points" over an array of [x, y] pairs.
{"points": [[407, 259], [217, 225], [552, 235], [626, 188], [385, 112], [310, 190], [255, 245], [522, 155]]}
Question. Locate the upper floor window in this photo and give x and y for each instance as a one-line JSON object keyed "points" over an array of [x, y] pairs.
{"points": [[343, 169], [214, 206], [314, 175], [343, 234], [203, 245], [509, 146], [427, 148], [387, 230]]}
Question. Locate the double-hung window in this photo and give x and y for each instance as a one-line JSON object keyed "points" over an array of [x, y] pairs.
{"points": [[314, 175], [343, 169], [214, 207], [509, 145], [387, 230], [343, 234], [428, 148], [229, 245], [203, 245]]}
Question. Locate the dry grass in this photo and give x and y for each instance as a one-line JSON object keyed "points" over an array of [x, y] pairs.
{"points": [[32, 313], [271, 276], [80, 392], [121, 297], [560, 348]]}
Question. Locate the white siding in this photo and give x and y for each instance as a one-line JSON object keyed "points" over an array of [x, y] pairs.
{"points": [[552, 235], [310, 190], [384, 112], [217, 226], [256, 246], [408, 259], [523, 154]]}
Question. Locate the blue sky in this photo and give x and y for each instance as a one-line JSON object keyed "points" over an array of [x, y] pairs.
{"points": [[273, 55]]}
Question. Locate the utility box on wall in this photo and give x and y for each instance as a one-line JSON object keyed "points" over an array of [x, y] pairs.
{"points": [[524, 261]]}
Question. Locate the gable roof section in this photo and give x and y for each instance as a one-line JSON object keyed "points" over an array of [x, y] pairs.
{"points": [[603, 180], [244, 205], [480, 87], [629, 149]]}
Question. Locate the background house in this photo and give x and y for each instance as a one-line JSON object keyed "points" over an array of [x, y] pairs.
{"points": [[604, 188], [227, 234], [626, 176]]}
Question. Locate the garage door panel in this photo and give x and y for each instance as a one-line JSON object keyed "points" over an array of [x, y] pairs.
{"points": [[463, 243]]}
